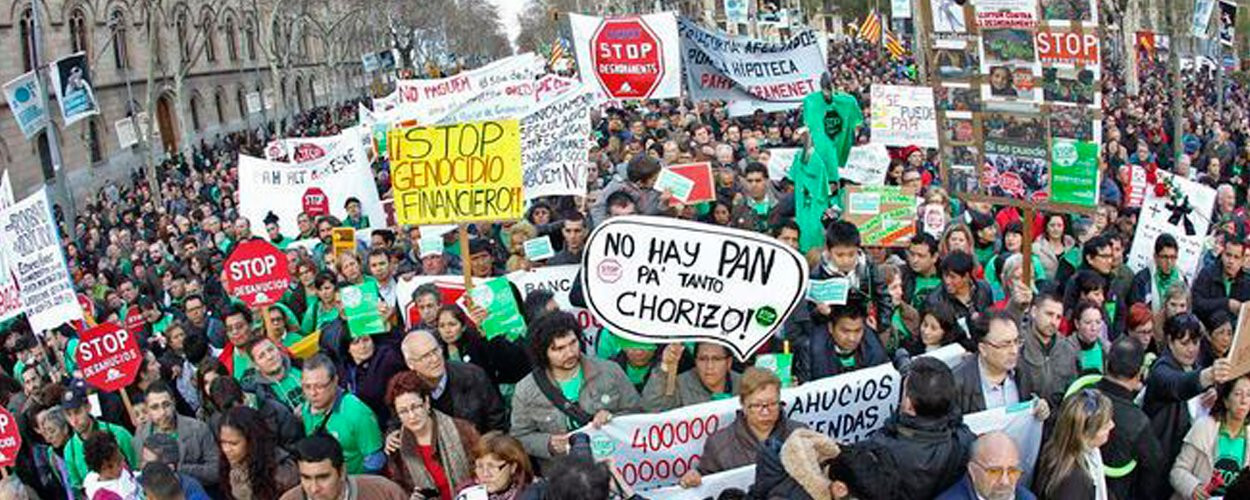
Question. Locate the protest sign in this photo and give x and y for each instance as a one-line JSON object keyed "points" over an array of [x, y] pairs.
{"points": [[267, 186], [866, 165], [343, 240], [1067, 47], [1184, 211], [369, 62], [134, 322], [1136, 185], [305, 149], [675, 184], [109, 357], [539, 248], [781, 364], [29, 241], [885, 215], [656, 449], [552, 86], [10, 439], [1239, 353], [469, 172], [711, 486], [71, 78], [1018, 423], [503, 314], [832, 291], [360, 307], [25, 97], [559, 281], [779, 161], [903, 116], [629, 57], [1074, 177], [1006, 14], [6, 191], [1201, 19], [1228, 22], [428, 101], [700, 176], [555, 140], [253, 102], [10, 297], [750, 74], [257, 273], [660, 280], [125, 129]]}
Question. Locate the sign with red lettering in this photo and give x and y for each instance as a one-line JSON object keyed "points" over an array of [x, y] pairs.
{"points": [[134, 321], [109, 357], [257, 273], [630, 57], [1067, 47], [10, 438], [316, 203]]}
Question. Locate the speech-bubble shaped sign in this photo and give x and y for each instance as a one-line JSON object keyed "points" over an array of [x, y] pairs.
{"points": [[660, 280]]}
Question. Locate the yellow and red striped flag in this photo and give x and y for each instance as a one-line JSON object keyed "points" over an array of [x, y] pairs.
{"points": [[870, 29], [892, 44]]}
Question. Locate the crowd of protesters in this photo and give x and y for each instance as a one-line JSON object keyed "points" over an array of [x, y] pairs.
{"points": [[222, 408]]}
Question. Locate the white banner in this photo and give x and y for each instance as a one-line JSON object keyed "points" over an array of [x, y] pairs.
{"points": [[866, 165], [1019, 424], [750, 74], [1160, 215], [554, 142], [559, 281], [629, 57], [713, 484], [266, 186], [737, 11], [25, 97], [305, 149], [660, 280], [253, 102], [126, 131], [779, 162], [10, 302], [33, 256], [6, 191], [1202, 18], [71, 78], [903, 116], [655, 449], [428, 101]]}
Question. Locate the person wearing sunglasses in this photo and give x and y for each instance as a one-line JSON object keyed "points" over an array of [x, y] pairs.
{"points": [[1070, 466], [993, 472]]}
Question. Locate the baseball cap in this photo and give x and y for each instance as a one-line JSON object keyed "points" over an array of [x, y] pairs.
{"points": [[76, 396]]}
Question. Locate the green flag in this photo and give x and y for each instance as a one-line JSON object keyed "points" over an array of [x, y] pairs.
{"points": [[832, 126]]}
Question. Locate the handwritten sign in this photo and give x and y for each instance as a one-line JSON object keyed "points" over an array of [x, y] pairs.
{"points": [[867, 164], [658, 280], [885, 215], [903, 116], [467, 172], [831, 291], [1239, 353], [554, 141], [32, 252]]}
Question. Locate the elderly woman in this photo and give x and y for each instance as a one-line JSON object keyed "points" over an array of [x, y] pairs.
{"points": [[503, 468], [1216, 449], [759, 419], [1017, 295], [433, 459]]}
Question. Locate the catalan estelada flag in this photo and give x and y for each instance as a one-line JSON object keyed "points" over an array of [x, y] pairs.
{"points": [[892, 44], [870, 29]]}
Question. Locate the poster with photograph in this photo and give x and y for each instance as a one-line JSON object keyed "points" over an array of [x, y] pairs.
{"points": [[1071, 86], [957, 97], [71, 79], [948, 16], [956, 59], [1074, 122], [960, 130], [1016, 164], [1066, 11], [1009, 58], [1228, 22]]}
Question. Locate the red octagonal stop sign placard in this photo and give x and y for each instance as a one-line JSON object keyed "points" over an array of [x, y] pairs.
{"points": [[10, 438], [316, 203], [109, 357], [628, 57], [257, 273]]}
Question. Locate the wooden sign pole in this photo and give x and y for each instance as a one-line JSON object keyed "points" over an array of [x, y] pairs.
{"points": [[1026, 247], [130, 410], [465, 258]]}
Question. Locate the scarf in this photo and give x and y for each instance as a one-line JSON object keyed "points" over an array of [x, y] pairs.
{"points": [[451, 454], [1162, 284]]}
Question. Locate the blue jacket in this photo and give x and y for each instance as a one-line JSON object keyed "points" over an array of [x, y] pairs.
{"points": [[963, 491]]}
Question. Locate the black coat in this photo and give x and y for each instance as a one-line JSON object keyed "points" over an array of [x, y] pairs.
{"points": [[1210, 295], [965, 314], [814, 354], [929, 454], [1133, 440], [505, 362], [470, 395], [1168, 390]]}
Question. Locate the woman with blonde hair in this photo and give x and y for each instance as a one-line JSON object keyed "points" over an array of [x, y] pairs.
{"points": [[1070, 465], [517, 235]]}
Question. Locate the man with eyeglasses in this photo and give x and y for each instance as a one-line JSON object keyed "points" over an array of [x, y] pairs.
{"points": [[200, 323], [1099, 257], [1150, 285], [197, 448], [993, 472], [989, 379], [239, 332], [461, 390], [710, 380], [331, 410], [1132, 457]]}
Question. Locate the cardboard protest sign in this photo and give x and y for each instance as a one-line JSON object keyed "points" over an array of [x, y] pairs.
{"points": [[1074, 177], [503, 314], [832, 291], [629, 57], [903, 116], [428, 101], [305, 149], [779, 161], [555, 139], [10, 438], [539, 248], [656, 449], [109, 357], [343, 240], [1239, 353], [885, 215], [75, 94], [866, 165], [559, 281], [750, 74], [360, 307], [31, 249], [25, 97], [257, 273], [1067, 47], [659, 280], [267, 186], [700, 175], [469, 172], [125, 129], [675, 184], [1187, 217]]}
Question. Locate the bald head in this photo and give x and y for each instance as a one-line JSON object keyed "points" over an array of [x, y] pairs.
{"points": [[995, 466], [995, 447], [423, 355]]}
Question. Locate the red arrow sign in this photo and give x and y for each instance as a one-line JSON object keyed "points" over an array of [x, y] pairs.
{"points": [[10, 438], [627, 57], [108, 357], [257, 273]]}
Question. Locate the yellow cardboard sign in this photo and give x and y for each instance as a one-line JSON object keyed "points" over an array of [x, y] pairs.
{"points": [[466, 172], [344, 239]]}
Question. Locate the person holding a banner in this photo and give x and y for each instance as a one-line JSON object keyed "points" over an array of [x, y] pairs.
{"points": [[710, 380], [1215, 450], [844, 257], [1176, 377]]}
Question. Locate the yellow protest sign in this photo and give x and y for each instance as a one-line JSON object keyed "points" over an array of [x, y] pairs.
{"points": [[466, 172], [344, 240]]}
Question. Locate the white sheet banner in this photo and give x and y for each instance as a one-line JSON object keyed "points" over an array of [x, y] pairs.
{"points": [[288, 189], [656, 449], [712, 486], [300, 150], [428, 101], [10, 301], [33, 256], [629, 57], [750, 74], [903, 115], [1018, 423], [779, 162], [559, 281], [554, 142], [1162, 214]]}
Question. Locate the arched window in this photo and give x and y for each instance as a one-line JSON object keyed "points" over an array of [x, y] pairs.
{"points": [[27, 29], [121, 45], [78, 31], [195, 113], [210, 45], [250, 35], [94, 147], [219, 102], [180, 27], [241, 97], [232, 40]]}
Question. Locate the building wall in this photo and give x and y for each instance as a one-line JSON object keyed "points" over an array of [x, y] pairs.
{"points": [[204, 80]]}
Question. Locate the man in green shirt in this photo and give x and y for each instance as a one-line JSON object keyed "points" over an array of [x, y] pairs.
{"points": [[272, 373], [78, 413], [354, 218], [331, 410]]}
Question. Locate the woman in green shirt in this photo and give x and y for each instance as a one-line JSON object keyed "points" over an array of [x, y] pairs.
{"points": [[1091, 337], [323, 306], [1215, 449]]}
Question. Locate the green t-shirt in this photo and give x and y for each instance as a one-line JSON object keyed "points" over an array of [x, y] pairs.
{"points": [[71, 361], [637, 374], [241, 363], [571, 389], [1230, 457], [1090, 360], [924, 285], [355, 427], [288, 389], [76, 463]]}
